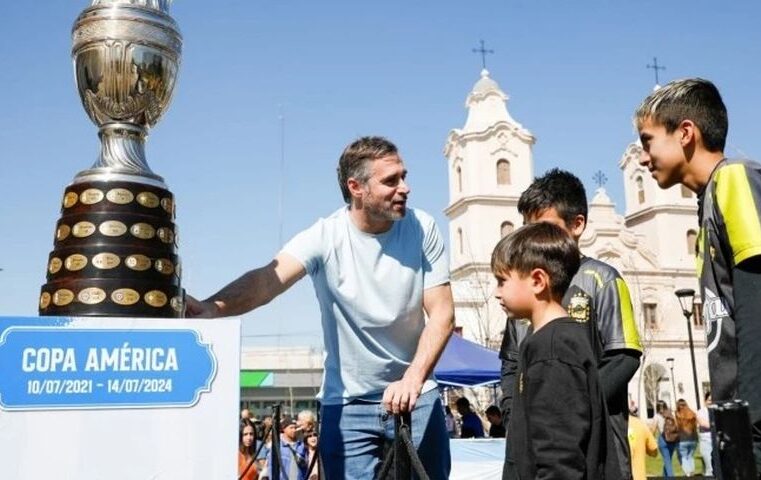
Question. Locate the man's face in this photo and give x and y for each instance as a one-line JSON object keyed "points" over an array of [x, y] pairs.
{"points": [[385, 193], [290, 432], [662, 153], [551, 215], [515, 293]]}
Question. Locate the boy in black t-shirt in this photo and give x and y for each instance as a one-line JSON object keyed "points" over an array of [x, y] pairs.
{"points": [[559, 426]]}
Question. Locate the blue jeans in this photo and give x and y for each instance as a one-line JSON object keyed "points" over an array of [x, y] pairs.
{"points": [[667, 451], [687, 456], [352, 438]]}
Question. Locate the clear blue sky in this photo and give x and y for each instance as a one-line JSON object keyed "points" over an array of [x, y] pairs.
{"points": [[575, 71]]}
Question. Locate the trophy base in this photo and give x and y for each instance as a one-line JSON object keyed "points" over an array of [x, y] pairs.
{"points": [[115, 250]]}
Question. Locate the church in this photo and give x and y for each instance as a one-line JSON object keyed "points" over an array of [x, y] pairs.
{"points": [[652, 244]]}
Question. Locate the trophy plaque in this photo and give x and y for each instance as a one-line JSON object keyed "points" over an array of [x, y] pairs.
{"points": [[115, 245]]}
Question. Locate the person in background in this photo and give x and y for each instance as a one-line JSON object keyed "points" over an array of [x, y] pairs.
{"points": [[450, 422], [704, 436], [664, 426], [293, 453], [471, 426], [307, 422], [641, 443], [687, 422], [246, 450], [494, 417], [313, 458]]}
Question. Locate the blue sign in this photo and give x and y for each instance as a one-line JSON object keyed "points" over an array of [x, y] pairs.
{"points": [[49, 367]]}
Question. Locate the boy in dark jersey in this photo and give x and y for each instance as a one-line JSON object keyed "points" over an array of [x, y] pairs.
{"points": [[683, 129], [597, 298], [559, 427]]}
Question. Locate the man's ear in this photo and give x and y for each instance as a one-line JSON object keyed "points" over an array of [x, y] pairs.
{"points": [[577, 226], [356, 188], [689, 132]]}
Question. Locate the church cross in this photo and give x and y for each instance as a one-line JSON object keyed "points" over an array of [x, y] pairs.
{"points": [[483, 51], [600, 179], [655, 68]]}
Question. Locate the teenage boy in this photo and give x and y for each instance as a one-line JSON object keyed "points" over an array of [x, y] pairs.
{"points": [[559, 427], [683, 129], [597, 297]]}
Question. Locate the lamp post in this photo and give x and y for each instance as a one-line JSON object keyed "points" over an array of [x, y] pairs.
{"points": [[670, 362], [686, 298]]}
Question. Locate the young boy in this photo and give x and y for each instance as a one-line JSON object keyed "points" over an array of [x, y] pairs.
{"points": [[683, 129], [597, 297], [559, 427]]}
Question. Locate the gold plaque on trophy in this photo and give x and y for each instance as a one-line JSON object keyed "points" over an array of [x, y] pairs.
{"points": [[105, 261], [148, 199], [164, 265], [125, 296], [91, 196], [63, 297], [143, 230], [166, 234], [177, 304], [120, 196], [138, 262], [112, 228], [83, 229], [168, 205], [91, 296], [155, 298], [62, 232], [55, 265], [44, 300], [70, 199], [75, 262]]}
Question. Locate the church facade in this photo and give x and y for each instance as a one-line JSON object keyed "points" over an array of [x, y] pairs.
{"points": [[652, 244]]}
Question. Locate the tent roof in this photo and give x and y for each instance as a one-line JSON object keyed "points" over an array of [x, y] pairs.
{"points": [[467, 364]]}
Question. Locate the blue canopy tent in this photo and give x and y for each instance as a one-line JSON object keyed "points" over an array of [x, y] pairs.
{"points": [[467, 364]]}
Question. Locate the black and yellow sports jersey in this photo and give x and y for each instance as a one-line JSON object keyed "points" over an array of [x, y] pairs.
{"points": [[599, 298], [730, 233]]}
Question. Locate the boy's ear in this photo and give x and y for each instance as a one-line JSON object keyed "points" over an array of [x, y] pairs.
{"points": [[577, 226], [689, 132], [540, 281]]}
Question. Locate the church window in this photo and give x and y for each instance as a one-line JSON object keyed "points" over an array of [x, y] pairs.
{"points": [[506, 228], [459, 241], [640, 190], [459, 179], [692, 237], [651, 315], [503, 172], [686, 192]]}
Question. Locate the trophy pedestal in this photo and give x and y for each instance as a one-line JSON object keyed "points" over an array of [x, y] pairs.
{"points": [[115, 252]]}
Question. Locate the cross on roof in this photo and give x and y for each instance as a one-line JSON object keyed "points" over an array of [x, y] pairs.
{"points": [[600, 179], [483, 51], [655, 68]]}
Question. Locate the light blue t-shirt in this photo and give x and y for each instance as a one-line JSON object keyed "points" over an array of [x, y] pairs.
{"points": [[370, 290]]}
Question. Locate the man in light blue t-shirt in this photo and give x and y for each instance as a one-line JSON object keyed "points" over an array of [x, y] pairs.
{"points": [[378, 270]]}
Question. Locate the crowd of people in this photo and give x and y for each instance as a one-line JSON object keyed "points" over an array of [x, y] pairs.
{"points": [[571, 345]]}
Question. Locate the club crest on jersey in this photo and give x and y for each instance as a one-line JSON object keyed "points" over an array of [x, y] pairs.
{"points": [[578, 307]]}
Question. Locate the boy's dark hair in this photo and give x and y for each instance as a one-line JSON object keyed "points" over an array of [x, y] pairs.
{"points": [[355, 158], [688, 99], [493, 410], [539, 245], [556, 188]]}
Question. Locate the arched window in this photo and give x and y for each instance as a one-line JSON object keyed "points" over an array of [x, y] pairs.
{"points": [[503, 172], [640, 190], [686, 192], [459, 241], [692, 237], [459, 179], [506, 228]]}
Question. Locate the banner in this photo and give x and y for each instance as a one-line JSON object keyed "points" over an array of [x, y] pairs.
{"points": [[118, 398]]}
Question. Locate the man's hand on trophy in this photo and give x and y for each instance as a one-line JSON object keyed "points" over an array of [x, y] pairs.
{"points": [[198, 309]]}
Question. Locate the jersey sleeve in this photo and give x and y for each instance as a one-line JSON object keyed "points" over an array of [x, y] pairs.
{"points": [[435, 261], [738, 196], [308, 246], [618, 329]]}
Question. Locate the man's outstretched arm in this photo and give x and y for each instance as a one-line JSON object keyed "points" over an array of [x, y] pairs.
{"points": [[251, 290], [401, 396]]}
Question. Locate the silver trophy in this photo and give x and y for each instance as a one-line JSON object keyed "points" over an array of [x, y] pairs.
{"points": [[115, 246]]}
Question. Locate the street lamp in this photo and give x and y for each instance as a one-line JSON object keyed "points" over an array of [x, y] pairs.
{"points": [[670, 361], [686, 298]]}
